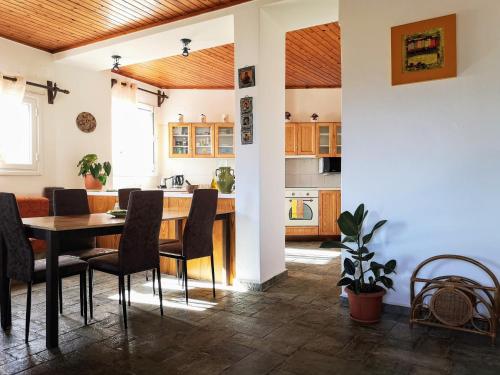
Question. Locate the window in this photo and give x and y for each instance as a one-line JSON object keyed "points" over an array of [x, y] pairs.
{"points": [[135, 143], [19, 137]]}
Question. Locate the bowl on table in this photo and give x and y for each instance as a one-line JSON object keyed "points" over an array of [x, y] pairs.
{"points": [[117, 213]]}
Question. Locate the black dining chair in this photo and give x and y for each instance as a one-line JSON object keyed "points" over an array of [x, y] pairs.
{"points": [[197, 237], [48, 192], [69, 202], [138, 249], [124, 195], [21, 263]]}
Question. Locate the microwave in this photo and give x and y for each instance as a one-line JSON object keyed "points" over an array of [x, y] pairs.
{"points": [[330, 165]]}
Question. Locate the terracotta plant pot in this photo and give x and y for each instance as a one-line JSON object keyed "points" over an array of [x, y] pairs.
{"points": [[366, 308], [92, 183]]}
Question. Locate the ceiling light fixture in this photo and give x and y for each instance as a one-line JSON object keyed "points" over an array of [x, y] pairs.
{"points": [[116, 63], [185, 49]]}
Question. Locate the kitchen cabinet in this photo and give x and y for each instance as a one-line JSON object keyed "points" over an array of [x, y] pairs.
{"points": [[180, 140], [300, 138], [306, 139], [224, 140], [202, 140], [329, 211], [328, 139], [290, 139], [301, 231]]}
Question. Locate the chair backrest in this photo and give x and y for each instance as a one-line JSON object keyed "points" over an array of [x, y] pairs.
{"points": [[20, 258], [197, 238], [124, 195], [68, 202], [48, 192], [138, 250]]}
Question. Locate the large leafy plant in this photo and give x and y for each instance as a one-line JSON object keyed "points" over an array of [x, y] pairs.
{"points": [[90, 165], [355, 272]]}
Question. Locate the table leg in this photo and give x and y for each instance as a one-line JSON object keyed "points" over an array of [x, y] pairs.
{"points": [[52, 315], [5, 303]]}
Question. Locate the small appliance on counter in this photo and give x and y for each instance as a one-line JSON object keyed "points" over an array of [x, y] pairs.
{"points": [[177, 182], [330, 165]]}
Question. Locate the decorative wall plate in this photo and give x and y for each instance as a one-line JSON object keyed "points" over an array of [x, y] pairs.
{"points": [[86, 122]]}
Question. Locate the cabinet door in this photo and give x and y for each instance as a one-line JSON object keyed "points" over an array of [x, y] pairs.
{"points": [[329, 211], [180, 140], [338, 139], [306, 139], [325, 139], [290, 139], [224, 140], [202, 140]]}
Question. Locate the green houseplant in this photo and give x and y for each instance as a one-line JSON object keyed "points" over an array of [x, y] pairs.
{"points": [[94, 173], [362, 276]]}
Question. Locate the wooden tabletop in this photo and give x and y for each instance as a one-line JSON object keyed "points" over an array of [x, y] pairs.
{"points": [[64, 223]]}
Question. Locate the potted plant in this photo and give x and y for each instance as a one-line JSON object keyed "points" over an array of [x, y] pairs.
{"points": [[94, 173], [361, 279]]}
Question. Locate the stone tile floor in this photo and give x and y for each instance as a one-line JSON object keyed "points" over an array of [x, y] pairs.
{"points": [[297, 327]]}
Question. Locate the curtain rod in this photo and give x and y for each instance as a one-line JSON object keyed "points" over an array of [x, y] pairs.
{"points": [[159, 94], [51, 88]]}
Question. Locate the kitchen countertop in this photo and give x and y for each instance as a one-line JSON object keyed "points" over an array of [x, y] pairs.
{"points": [[170, 193], [313, 188]]}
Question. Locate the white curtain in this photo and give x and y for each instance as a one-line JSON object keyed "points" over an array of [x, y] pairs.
{"points": [[12, 91], [124, 114]]}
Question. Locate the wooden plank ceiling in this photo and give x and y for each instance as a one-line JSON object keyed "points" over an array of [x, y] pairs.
{"points": [[57, 25], [312, 61]]}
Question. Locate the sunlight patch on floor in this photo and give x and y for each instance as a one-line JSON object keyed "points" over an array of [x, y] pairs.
{"points": [[309, 253]]}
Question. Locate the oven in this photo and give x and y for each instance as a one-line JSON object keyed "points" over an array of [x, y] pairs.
{"points": [[301, 208]]}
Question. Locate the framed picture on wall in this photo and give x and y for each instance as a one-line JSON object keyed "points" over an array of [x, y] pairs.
{"points": [[246, 77], [424, 50]]}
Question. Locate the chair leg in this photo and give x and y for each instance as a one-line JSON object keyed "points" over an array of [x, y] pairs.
{"points": [[185, 274], [83, 295], [28, 314], [124, 300], [154, 281], [120, 289], [128, 286], [91, 292], [147, 275], [159, 291], [213, 274], [60, 297]]}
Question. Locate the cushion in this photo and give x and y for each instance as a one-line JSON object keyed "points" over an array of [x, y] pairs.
{"points": [[68, 266], [86, 254], [107, 263], [170, 247]]}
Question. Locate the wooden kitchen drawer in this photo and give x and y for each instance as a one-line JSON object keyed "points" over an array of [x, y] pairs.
{"points": [[301, 231]]}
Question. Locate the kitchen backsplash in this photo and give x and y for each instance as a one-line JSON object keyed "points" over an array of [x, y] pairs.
{"points": [[304, 172]]}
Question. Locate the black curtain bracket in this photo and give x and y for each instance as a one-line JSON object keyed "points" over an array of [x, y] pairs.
{"points": [[159, 94], [51, 87]]}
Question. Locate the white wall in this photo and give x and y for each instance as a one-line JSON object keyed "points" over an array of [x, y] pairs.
{"points": [[62, 143], [302, 103], [425, 156]]}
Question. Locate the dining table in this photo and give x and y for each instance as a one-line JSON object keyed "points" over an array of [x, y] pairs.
{"points": [[54, 229]]}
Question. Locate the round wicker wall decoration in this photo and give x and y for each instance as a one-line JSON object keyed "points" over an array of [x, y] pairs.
{"points": [[86, 122], [452, 307]]}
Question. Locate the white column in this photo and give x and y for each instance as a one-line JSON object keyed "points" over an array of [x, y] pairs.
{"points": [[260, 180]]}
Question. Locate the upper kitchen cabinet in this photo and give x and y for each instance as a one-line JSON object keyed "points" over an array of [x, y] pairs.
{"points": [[224, 140], [306, 138], [180, 140], [300, 138], [329, 139], [202, 140], [290, 139]]}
